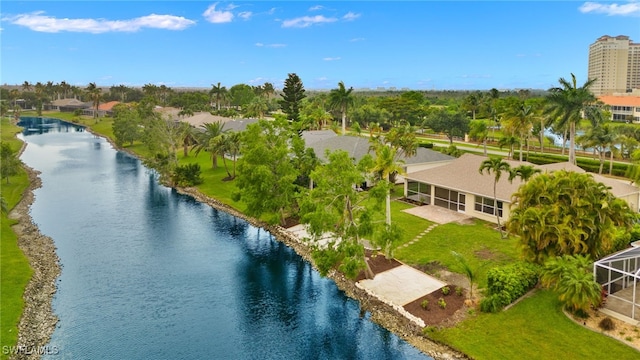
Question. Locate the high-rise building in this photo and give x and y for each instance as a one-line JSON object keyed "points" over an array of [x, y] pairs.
{"points": [[615, 64]]}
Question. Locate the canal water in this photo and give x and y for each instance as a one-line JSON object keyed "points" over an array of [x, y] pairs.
{"points": [[148, 273]]}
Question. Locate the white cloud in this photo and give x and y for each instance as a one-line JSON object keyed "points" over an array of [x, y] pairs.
{"points": [[39, 22], [631, 8], [350, 16], [271, 45], [316, 8], [218, 16], [356, 39], [245, 15], [331, 58], [306, 21]]}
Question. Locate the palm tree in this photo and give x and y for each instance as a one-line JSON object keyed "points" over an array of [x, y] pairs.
{"points": [[26, 86], [567, 102], [496, 166], [520, 122], [218, 145], [385, 165], [189, 136], [210, 131], [233, 142], [341, 99], [95, 94], [524, 172], [220, 92], [256, 108], [509, 141], [571, 277]]}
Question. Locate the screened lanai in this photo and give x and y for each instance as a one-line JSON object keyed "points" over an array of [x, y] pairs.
{"points": [[619, 275]]}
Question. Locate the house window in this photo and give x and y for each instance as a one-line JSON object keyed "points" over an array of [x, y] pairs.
{"points": [[487, 205], [418, 191], [449, 199]]}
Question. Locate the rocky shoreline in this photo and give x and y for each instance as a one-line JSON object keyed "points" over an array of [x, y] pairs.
{"points": [[38, 321]]}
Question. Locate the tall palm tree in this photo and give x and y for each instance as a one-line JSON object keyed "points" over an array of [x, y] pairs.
{"points": [[567, 102], [210, 132], [341, 99], [386, 164], [233, 142], [95, 94], [220, 92], [496, 166], [26, 86], [519, 120]]}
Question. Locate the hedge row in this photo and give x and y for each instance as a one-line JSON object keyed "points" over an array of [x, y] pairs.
{"points": [[507, 283], [590, 165]]}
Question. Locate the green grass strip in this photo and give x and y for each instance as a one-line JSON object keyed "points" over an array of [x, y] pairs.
{"points": [[535, 328]]}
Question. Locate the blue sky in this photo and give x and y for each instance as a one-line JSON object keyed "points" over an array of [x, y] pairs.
{"points": [[367, 44]]}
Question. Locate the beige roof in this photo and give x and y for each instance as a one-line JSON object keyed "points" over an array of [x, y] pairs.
{"points": [[463, 175], [204, 117], [67, 102]]}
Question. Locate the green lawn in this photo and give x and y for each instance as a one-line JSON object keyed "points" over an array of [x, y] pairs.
{"points": [[535, 328], [479, 243], [15, 272]]}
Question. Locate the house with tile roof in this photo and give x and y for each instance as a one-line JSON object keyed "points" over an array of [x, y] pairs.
{"points": [[459, 186], [623, 108]]}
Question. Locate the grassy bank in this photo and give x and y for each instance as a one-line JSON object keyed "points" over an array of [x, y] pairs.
{"points": [[15, 271], [535, 328]]}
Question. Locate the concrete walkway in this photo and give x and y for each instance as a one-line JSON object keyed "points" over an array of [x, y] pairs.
{"points": [[401, 285], [396, 287]]}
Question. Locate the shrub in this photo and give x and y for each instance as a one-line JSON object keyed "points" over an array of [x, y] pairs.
{"points": [[446, 290], [507, 283], [442, 303], [426, 145], [425, 304], [187, 175], [459, 291], [607, 324]]}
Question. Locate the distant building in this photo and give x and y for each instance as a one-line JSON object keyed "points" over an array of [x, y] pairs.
{"points": [[615, 64], [623, 107]]}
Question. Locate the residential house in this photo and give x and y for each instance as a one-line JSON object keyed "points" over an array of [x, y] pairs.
{"points": [[459, 186], [358, 146]]}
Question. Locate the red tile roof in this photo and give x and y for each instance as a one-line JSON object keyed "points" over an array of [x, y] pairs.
{"points": [[108, 105], [620, 100]]}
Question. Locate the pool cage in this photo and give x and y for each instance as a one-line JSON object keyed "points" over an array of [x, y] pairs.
{"points": [[619, 275]]}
